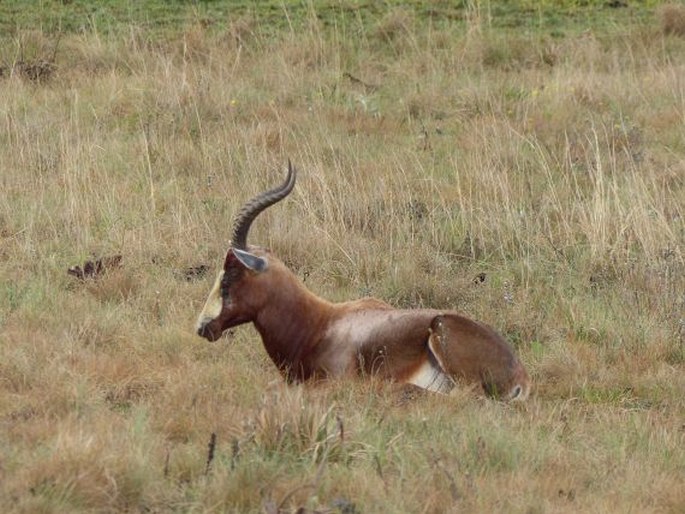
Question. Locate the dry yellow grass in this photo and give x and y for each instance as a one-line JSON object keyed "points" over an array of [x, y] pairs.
{"points": [[672, 18], [551, 168]]}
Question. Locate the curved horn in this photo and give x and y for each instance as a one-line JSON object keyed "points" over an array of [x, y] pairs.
{"points": [[251, 209]]}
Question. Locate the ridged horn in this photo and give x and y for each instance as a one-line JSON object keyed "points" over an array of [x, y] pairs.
{"points": [[249, 211]]}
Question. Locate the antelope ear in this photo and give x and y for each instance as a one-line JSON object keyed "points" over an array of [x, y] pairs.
{"points": [[249, 260]]}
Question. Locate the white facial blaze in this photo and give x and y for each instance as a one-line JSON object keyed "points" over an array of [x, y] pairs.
{"points": [[213, 305]]}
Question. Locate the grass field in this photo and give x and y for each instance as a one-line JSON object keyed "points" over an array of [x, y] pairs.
{"points": [[522, 162]]}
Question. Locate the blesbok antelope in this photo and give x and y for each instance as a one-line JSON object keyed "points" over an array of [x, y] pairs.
{"points": [[308, 337]]}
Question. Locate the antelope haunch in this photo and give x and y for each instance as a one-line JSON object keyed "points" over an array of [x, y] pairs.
{"points": [[308, 337]]}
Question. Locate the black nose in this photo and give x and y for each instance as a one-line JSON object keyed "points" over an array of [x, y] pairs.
{"points": [[202, 330], [205, 331]]}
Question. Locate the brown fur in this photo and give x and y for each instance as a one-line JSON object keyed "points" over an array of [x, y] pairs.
{"points": [[308, 337], [477, 354]]}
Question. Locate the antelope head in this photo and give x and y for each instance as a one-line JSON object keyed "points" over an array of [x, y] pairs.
{"points": [[236, 297]]}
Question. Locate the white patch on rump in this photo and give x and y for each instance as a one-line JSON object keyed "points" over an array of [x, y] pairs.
{"points": [[431, 377], [213, 305]]}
